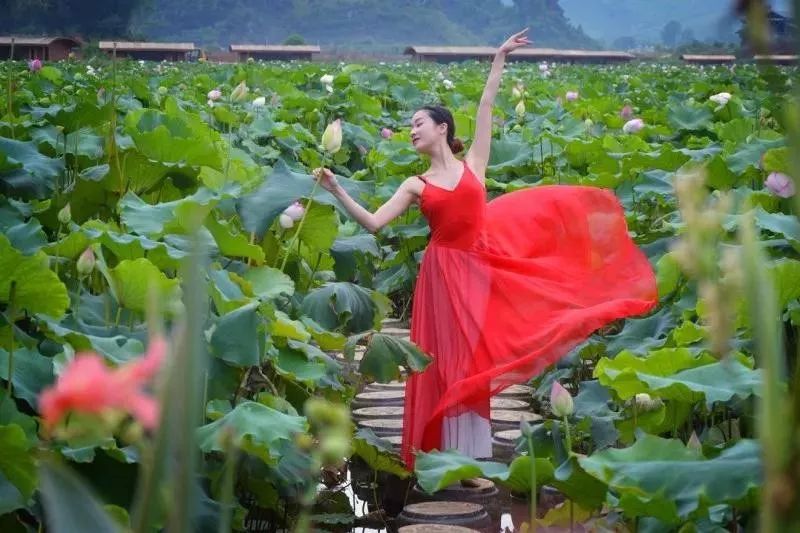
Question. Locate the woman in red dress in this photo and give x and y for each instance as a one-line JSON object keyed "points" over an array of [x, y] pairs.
{"points": [[505, 288]]}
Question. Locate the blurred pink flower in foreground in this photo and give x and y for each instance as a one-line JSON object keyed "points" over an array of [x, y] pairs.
{"points": [[89, 386], [35, 65], [386, 133], [626, 112], [572, 96], [780, 184]]}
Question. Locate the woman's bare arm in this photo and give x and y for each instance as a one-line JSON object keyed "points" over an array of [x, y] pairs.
{"points": [[478, 155], [401, 200]]}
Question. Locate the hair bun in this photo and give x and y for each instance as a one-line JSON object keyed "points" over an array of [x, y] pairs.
{"points": [[456, 145]]}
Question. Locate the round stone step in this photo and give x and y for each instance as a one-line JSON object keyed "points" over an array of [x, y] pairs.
{"points": [[509, 404], [436, 528], [383, 427], [518, 392], [504, 442], [505, 419], [485, 493], [380, 398], [384, 411], [392, 385], [396, 332], [466, 514]]}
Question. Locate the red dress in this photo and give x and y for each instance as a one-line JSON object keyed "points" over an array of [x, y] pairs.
{"points": [[508, 287]]}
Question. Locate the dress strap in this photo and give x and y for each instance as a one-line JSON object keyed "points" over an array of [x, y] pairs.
{"points": [[423, 180]]}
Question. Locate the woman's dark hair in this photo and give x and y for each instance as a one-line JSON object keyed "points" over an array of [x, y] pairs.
{"points": [[442, 115]]}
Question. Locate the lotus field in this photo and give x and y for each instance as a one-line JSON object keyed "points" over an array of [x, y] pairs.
{"points": [[181, 305]]}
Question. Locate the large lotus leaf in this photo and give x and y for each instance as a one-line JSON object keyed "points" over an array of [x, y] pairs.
{"points": [[623, 373], [665, 479], [378, 453], [9, 414], [37, 288], [508, 155], [592, 402], [685, 117], [666, 158], [748, 155], [235, 338], [232, 243], [26, 172], [269, 282], [776, 160], [341, 305], [295, 365], [10, 500], [173, 136], [178, 216], [114, 347], [327, 340], [257, 428], [32, 372], [717, 382], [83, 142], [284, 326], [436, 470], [25, 235], [385, 353], [786, 225], [282, 188], [16, 461], [519, 474], [69, 504], [345, 250], [226, 291], [642, 334], [319, 229], [134, 278], [578, 485]]}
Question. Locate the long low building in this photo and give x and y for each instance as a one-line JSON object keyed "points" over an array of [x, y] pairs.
{"points": [[443, 54], [44, 48], [708, 59], [777, 59], [274, 51], [149, 51]]}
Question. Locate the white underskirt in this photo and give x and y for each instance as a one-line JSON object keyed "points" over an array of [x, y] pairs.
{"points": [[469, 433]]}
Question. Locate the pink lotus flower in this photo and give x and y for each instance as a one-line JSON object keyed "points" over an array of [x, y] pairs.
{"points": [[571, 96], [386, 133], [35, 65], [560, 400], [780, 184], [634, 125], [626, 113], [285, 221], [89, 386], [295, 211], [86, 262], [214, 94]]}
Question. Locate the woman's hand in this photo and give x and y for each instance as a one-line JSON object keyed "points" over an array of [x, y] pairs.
{"points": [[326, 178], [518, 40]]}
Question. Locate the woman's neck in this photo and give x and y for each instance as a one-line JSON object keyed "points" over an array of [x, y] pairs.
{"points": [[442, 161]]}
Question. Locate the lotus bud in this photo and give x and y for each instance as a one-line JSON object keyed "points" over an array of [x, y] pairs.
{"points": [[35, 65], [694, 443], [633, 125], [240, 92], [65, 215], [560, 401], [720, 98], [520, 109], [543, 67], [571, 96], [780, 184], [214, 94], [261, 101], [626, 112], [386, 133], [516, 93], [644, 402], [86, 263], [332, 137], [285, 221], [327, 79], [449, 85], [295, 211]]}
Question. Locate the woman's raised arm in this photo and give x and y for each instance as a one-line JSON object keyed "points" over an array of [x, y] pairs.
{"points": [[478, 155], [395, 206]]}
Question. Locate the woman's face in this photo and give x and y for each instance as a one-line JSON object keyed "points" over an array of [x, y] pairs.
{"points": [[425, 133]]}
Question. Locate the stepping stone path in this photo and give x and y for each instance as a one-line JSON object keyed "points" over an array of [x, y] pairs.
{"points": [[446, 513], [454, 509]]}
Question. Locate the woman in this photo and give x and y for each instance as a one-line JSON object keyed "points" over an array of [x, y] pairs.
{"points": [[505, 288]]}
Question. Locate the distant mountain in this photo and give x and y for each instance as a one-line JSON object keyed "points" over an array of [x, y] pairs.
{"points": [[367, 25], [643, 20]]}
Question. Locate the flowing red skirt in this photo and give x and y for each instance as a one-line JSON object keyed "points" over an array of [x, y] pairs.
{"points": [[510, 289]]}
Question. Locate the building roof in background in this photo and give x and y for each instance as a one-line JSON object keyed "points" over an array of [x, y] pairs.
{"points": [[130, 46], [35, 41], [274, 48], [522, 52]]}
